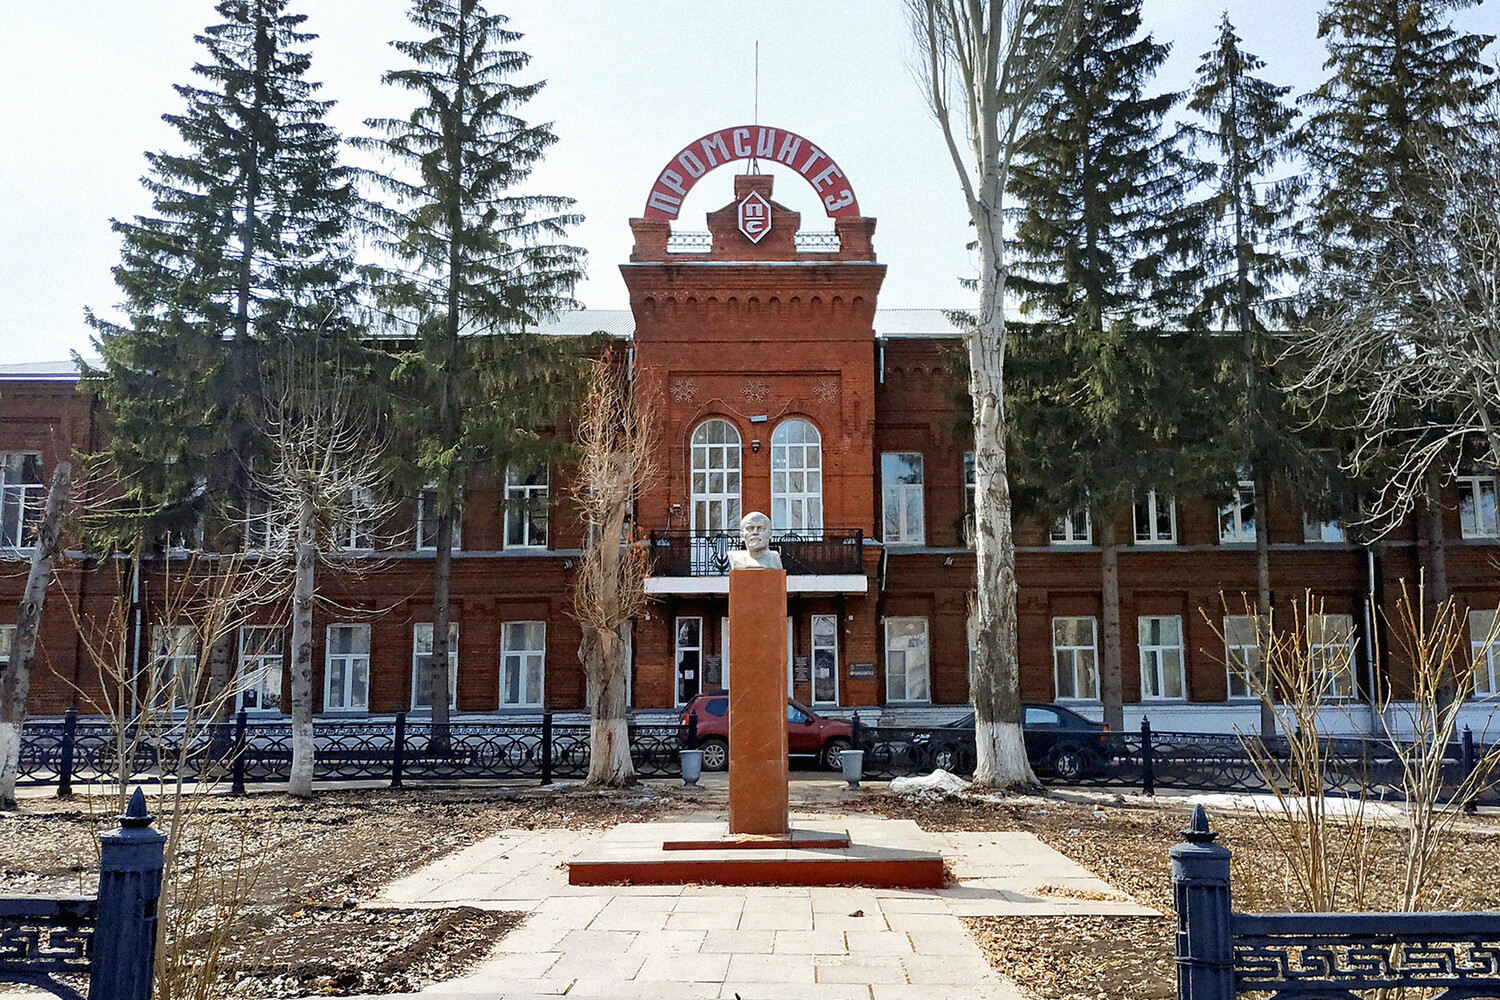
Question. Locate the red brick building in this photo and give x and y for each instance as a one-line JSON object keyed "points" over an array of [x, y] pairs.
{"points": [[782, 388]]}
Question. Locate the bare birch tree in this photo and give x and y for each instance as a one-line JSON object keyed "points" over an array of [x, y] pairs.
{"points": [[322, 486], [982, 77], [15, 677], [616, 442]]}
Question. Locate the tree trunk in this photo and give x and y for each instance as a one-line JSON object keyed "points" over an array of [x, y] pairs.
{"points": [[1437, 576], [303, 593], [996, 690], [1111, 673], [605, 656], [437, 671], [15, 681], [1263, 603]]}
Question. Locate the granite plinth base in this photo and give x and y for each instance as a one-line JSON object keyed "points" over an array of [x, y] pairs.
{"points": [[878, 853]]}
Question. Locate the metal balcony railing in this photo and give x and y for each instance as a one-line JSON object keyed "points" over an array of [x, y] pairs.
{"points": [[803, 553], [805, 242]]}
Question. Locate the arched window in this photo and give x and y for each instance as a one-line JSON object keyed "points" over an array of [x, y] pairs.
{"points": [[715, 477], [797, 477]]}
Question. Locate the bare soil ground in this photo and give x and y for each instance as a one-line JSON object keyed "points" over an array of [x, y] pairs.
{"points": [[1132, 958], [296, 873]]}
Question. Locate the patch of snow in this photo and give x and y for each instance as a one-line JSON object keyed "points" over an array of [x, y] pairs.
{"points": [[939, 782], [1266, 803]]}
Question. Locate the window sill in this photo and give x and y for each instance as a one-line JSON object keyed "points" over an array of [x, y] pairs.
{"points": [[1160, 543]]}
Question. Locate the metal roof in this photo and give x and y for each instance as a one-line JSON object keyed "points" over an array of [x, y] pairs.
{"points": [[43, 371]]}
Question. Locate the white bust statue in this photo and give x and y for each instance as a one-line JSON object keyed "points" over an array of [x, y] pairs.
{"points": [[755, 532]]}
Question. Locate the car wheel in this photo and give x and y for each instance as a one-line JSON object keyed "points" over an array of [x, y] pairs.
{"points": [[1066, 762], [715, 753], [946, 759], [833, 753]]}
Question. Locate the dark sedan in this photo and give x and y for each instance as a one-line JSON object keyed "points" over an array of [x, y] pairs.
{"points": [[1059, 742]]}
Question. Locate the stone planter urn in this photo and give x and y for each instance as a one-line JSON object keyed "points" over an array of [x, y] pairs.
{"points": [[853, 763], [692, 766]]}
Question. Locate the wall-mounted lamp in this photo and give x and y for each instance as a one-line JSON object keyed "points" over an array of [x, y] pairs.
{"points": [[755, 445], [948, 561], [567, 564], [675, 510]]}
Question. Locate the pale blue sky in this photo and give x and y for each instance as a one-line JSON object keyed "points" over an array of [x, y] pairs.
{"points": [[629, 83]]}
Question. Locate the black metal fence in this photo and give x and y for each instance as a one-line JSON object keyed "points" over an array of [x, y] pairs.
{"points": [[1146, 761], [1222, 954], [110, 939], [75, 751]]}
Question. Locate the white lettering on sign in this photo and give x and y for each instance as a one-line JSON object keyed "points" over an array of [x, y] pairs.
{"points": [[712, 143], [746, 142], [789, 147], [765, 143], [755, 217]]}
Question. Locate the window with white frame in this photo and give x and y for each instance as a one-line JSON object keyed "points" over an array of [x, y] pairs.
{"points": [[429, 512], [1073, 528], [523, 664], [715, 493], [1161, 658], [1241, 655], [906, 663], [1484, 656], [262, 653], [1316, 529], [1155, 519], [1075, 657], [174, 666], [421, 652], [1330, 651], [266, 527], [7, 644], [825, 659], [1237, 517], [1476, 507], [526, 505], [971, 498], [901, 491], [22, 495], [688, 647], [346, 669], [797, 477], [359, 513]]}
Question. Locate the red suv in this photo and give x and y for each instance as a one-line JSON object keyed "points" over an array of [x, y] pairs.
{"points": [[807, 732]]}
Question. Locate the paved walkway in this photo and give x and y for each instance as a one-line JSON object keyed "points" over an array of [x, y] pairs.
{"points": [[699, 942]]}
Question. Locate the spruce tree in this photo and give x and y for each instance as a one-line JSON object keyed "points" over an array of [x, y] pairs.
{"points": [[1247, 255], [245, 253], [1103, 254], [477, 267], [1402, 80]]}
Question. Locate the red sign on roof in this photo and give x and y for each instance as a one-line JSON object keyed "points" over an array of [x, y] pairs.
{"points": [[748, 142]]}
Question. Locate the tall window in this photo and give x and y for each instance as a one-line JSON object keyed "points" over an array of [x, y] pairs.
{"points": [[971, 498], [796, 477], [906, 664], [825, 659], [174, 659], [523, 664], [261, 658], [22, 494], [688, 644], [1485, 657], [7, 644], [421, 652], [1161, 657], [1073, 528], [1476, 506], [428, 514], [526, 508], [716, 477], [346, 669], [1241, 654], [1075, 657], [266, 528], [1237, 518], [1155, 519], [1330, 649], [359, 531], [901, 491]]}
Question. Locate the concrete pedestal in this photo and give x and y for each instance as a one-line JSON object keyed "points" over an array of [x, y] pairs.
{"points": [[757, 702]]}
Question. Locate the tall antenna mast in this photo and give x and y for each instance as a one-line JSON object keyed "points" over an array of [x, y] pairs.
{"points": [[755, 163]]}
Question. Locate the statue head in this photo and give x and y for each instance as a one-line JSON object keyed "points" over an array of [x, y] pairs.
{"points": [[755, 532]]}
